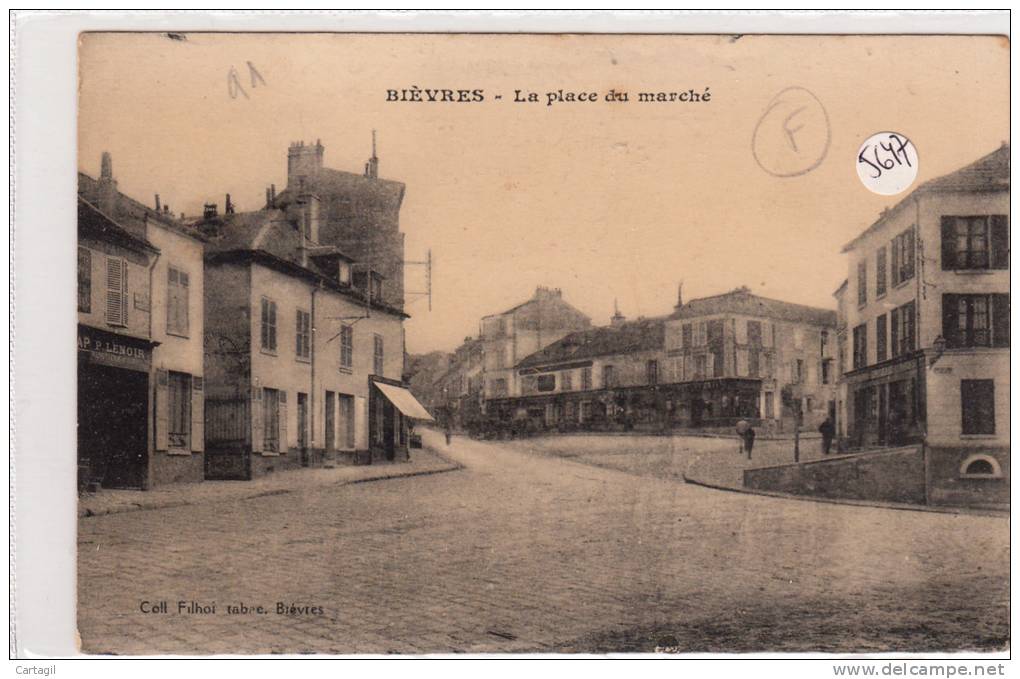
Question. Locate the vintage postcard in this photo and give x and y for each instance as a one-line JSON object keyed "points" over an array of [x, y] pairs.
{"points": [[563, 343]]}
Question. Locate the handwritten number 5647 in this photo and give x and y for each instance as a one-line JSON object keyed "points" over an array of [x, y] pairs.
{"points": [[886, 155]]}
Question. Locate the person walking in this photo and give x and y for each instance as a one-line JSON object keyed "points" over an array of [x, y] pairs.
{"points": [[748, 436], [449, 432], [828, 431]]}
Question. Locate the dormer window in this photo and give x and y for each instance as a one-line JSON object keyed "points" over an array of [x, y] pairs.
{"points": [[377, 285]]}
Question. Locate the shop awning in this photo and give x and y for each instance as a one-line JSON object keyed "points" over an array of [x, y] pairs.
{"points": [[404, 401]]}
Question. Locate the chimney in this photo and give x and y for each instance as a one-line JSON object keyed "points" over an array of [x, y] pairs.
{"points": [[372, 166], [107, 199], [618, 319], [303, 161], [272, 194], [228, 207], [679, 296], [209, 211], [269, 199], [157, 202]]}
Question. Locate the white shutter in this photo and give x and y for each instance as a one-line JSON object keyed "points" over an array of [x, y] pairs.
{"points": [[162, 409], [361, 423], [284, 444], [182, 303], [116, 291], [257, 434], [197, 414]]}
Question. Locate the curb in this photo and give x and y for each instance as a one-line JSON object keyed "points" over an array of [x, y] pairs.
{"points": [[898, 506], [88, 513]]}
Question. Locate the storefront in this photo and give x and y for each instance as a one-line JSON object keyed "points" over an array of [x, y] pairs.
{"points": [[885, 404], [392, 412], [113, 409]]}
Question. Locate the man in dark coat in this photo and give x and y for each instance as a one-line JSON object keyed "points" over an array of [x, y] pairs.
{"points": [[828, 431], [748, 435]]}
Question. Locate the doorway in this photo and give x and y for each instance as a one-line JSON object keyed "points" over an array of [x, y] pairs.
{"points": [[330, 421], [113, 413], [302, 425]]}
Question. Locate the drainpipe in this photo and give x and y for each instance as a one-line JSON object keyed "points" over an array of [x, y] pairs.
{"points": [[152, 382], [311, 349], [922, 375]]}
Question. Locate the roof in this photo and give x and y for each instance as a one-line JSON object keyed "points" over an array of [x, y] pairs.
{"points": [[93, 222], [988, 173], [743, 302], [127, 208], [629, 337], [238, 230]]}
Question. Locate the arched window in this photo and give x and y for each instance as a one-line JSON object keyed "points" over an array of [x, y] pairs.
{"points": [[980, 467]]}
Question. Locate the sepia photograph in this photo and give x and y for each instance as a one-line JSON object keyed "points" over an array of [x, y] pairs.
{"points": [[451, 343]]}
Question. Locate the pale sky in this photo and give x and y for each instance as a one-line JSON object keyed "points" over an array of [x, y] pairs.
{"points": [[604, 200]]}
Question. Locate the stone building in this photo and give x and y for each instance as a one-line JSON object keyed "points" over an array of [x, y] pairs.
{"points": [[305, 343], [927, 313], [458, 391], [509, 336], [140, 330]]}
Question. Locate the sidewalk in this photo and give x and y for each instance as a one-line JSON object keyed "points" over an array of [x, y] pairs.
{"points": [[423, 461], [725, 467]]}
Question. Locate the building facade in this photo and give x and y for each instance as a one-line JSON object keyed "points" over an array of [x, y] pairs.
{"points": [[458, 391], [927, 315], [510, 336], [141, 372], [304, 351]]}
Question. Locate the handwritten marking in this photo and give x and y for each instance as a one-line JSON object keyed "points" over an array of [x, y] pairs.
{"points": [[887, 163], [792, 136], [234, 86]]}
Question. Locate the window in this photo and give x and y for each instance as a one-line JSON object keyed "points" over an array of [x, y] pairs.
{"points": [[980, 466], [116, 291], [715, 332], [303, 334], [268, 324], [976, 242], [271, 420], [377, 354], [546, 383], [652, 372], [881, 338], [344, 273], [377, 286], [862, 283], [743, 360], [826, 371], [901, 332], [903, 257], [860, 346], [608, 377], [177, 302], [179, 429], [754, 333], [977, 405], [566, 381], [676, 367], [688, 335], [881, 267], [585, 379], [798, 371], [975, 320], [84, 280], [753, 363], [767, 368], [769, 407], [347, 346], [701, 367]]}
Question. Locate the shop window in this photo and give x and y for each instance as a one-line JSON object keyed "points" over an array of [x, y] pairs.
{"points": [[177, 302], [980, 466], [977, 405], [84, 280]]}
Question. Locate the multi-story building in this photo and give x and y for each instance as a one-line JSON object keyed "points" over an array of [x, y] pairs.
{"points": [[304, 349], [140, 373], [741, 356], [599, 378], [458, 391], [841, 362], [509, 336], [927, 313]]}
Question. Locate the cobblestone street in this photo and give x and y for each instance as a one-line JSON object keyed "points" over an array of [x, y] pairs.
{"points": [[529, 552]]}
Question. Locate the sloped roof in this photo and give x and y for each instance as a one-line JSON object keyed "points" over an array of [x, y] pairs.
{"points": [[127, 209], [988, 173], [238, 230], [741, 301], [93, 222], [629, 337]]}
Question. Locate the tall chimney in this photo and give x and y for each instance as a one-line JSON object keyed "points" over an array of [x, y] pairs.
{"points": [[679, 295], [107, 199], [372, 166], [157, 203], [106, 166], [269, 201], [618, 319], [228, 207]]}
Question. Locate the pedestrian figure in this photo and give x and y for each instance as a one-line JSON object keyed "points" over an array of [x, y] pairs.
{"points": [[748, 440], [828, 431], [449, 432]]}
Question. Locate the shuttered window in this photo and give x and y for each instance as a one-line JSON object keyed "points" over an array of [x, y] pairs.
{"points": [[303, 334], [903, 247], [975, 320], [346, 346], [116, 291], [977, 405], [860, 346], [862, 283], [177, 302], [975, 242], [84, 280], [377, 354], [271, 420], [268, 324], [179, 422], [881, 268], [585, 379], [881, 334]]}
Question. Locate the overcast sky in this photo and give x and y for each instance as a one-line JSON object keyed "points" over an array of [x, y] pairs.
{"points": [[604, 200]]}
